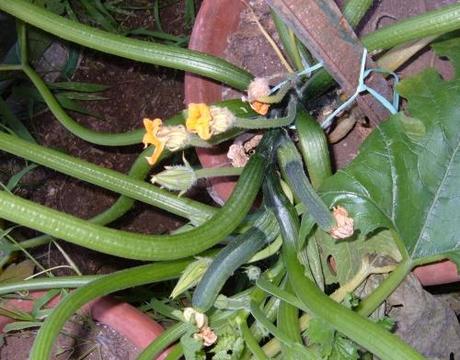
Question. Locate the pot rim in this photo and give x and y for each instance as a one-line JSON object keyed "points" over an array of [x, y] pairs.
{"points": [[122, 317]]}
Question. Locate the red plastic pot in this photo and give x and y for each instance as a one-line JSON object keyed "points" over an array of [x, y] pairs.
{"points": [[215, 22], [125, 319]]}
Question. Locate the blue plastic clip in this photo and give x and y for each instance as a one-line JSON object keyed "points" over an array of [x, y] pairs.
{"points": [[362, 87]]}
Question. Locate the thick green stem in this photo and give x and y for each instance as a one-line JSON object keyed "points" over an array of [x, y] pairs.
{"points": [[251, 342], [143, 51], [205, 173], [288, 40], [431, 23], [264, 123], [354, 10], [378, 296], [139, 246], [168, 337], [139, 170], [120, 280], [314, 147], [288, 322], [10, 67], [106, 178], [95, 137], [291, 165], [176, 353], [61, 282], [147, 247]]}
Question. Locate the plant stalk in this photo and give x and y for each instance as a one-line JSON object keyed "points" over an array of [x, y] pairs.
{"points": [[142, 51]]}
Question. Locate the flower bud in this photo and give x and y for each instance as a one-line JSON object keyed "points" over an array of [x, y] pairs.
{"points": [[176, 178], [191, 275]]}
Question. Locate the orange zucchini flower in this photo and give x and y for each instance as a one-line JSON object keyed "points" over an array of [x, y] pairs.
{"points": [[151, 138]]}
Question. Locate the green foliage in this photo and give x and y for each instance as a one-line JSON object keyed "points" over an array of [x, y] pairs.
{"points": [[348, 253], [193, 348], [16, 178], [55, 6], [329, 343], [230, 344], [406, 175]]}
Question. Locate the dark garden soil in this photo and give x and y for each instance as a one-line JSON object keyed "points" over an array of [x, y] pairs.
{"points": [[136, 91]]}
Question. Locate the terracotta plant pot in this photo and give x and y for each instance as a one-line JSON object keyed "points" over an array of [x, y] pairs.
{"points": [[215, 22], [125, 319]]}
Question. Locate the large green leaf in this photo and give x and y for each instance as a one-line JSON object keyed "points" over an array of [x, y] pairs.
{"points": [[407, 174]]}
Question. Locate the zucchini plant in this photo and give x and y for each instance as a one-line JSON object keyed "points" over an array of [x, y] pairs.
{"points": [[396, 199]]}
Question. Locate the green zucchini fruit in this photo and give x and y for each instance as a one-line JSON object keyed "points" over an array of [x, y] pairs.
{"points": [[292, 166], [230, 258]]}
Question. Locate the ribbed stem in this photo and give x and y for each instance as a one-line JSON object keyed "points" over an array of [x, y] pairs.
{"points": [[166, 338], [60, 282], [105, 178], [143, 51], [147, 274], [354, 10]]}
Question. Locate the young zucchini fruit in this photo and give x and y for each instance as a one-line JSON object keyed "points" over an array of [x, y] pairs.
{"points": [[314, 147], [232, 256], [292, 167]]}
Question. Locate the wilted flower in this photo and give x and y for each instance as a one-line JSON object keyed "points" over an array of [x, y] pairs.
{"points": [[258, 88], [207, 335], [344, 224], [222, 119], [253, 272], [195, 317], [174, 137]]}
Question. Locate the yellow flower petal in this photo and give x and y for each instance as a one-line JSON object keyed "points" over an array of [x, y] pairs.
{"points": [[198, 120], [150, 138]]}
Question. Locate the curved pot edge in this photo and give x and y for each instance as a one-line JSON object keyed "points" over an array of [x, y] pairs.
{"points": [[213, 24], [122, 317]]}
